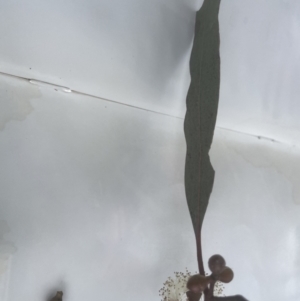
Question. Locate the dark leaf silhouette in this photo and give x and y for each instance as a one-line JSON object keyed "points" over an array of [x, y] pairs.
{"points": [[199, 124], [202, 105]]}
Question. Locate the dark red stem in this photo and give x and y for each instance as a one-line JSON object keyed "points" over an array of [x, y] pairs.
{"points": [[199, 254]]}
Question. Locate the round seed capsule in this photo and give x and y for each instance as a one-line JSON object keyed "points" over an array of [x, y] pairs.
{"points": [[216, 264]]}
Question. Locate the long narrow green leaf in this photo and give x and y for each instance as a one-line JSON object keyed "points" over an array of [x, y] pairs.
{"points": [[202, 105]]}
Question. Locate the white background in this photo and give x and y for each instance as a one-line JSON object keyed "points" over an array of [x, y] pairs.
{"points": [[92, 197]]}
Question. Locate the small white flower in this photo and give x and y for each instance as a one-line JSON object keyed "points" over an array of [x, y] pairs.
{"points": [[174, 288]]}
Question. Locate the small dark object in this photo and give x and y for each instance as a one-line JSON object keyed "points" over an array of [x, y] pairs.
{"points": [[216, 264], [58, 296], [229, 298], [226, 275], [198, 284], [194, 296]]}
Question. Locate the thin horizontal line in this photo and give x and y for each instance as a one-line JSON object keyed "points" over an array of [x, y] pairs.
{"points": [[248, 134], [65, 89], [124, 104]]}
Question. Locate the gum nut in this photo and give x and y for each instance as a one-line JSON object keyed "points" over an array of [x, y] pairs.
{"points": [[197, 283], [216, 264], [227, 275]]}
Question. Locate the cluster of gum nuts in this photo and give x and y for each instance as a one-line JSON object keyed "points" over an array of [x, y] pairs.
{"points": [[197, 284]]}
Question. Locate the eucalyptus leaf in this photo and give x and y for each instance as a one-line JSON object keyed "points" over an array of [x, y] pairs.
{"points": [[202, 105]]}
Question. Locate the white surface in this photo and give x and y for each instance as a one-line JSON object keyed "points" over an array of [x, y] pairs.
{"points": [[137, 52], [92, 197], [260, 71], [92, 202], [132, 51]]}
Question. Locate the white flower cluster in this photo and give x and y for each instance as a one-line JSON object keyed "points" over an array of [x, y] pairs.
{"points": [[174, 288], [219, 289]]}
